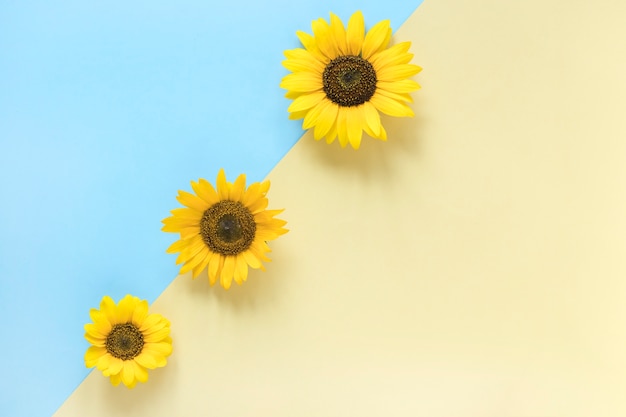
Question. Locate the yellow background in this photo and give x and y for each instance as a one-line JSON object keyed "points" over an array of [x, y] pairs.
{"points": [[473, 265]]}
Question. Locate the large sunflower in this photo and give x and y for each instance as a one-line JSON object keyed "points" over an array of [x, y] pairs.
{"points": [[223, 230], [126, 341], [344, 77]]}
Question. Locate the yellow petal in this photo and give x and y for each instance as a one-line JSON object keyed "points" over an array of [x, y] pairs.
{"points": [[372, 118], [228, 271], [355, 33], [251, 260], [186, 213], [338, 34], [383, 133], [141, 374], [157, 336], [376, 39], [93, 331], [189, 232], [104, 362], [276, 228], [236, 276], [390, 106], [194, 248], [93, 355], [223, 190], [238, 188], [296, 115], [306, 40], [302, 82], [157, 323], [401, 86], [323, 38], [259, 249], [342, 126], [150, 322], [292, 95], [394, 55], [302, 60], [276, 225], [108, 307], [103, 326], [206, 258], [191, 201], [226, 281], [159, 360], [205, 191], [115, 366], [397, 72], [306, 101], [215, 267], [146, 360], [155, 350], [95, 340], [125, 308], [128, 374], [252, 193], [312, 118], [326, 119], [180, 221], [354, 122], [266, 215], [175, 225], [116, 379], [395, 96], [241, 269], [177, 246], [267, 235], [258, 205], [140, 313], [332, 133], [310, 44], [264, 187]]}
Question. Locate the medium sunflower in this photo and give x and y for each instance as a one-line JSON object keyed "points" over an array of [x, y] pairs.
{"points": [[126, 340], [344, 77], [223, 230]]}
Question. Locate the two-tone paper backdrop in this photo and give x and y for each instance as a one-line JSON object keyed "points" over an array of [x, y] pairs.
{"points": [[106, 110], [473, 265]]}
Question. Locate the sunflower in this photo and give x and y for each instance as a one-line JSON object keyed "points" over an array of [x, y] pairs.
{"points": [[126, 341], [344, 77], [223, 230]]}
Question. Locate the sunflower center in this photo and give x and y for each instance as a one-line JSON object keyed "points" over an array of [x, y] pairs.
{"points": [[227, 227], [349, 80], [125, 341]]}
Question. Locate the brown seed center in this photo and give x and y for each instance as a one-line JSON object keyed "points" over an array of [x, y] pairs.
{"points": [[227, 227], [349, 80], [125, 341]]}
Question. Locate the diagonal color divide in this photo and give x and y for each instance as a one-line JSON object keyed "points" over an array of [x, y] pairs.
{"points": [[106, 110], [472, 266]]}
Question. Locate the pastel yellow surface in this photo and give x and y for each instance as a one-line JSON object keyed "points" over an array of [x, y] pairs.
{"points": [[474, 265]]}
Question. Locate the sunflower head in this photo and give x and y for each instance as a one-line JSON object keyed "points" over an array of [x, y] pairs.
{"points": [[224, 229], [126, 340], [344, 78]]}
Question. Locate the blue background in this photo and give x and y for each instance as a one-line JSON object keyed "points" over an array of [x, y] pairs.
{"points": [[106, 110]]}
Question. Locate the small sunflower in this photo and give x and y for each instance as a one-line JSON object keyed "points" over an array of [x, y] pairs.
{"points": [[344, 77], [223, 230], [126, 341]]}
